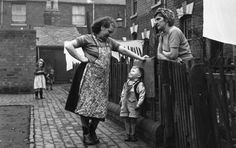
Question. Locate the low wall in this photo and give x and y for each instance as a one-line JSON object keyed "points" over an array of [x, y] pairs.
{"points": [[17, 60]]}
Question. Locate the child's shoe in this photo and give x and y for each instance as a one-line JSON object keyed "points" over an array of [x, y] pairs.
{"points": [[133, 138], [127, 138]]}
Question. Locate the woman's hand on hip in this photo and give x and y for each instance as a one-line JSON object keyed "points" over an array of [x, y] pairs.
{"points": [[84, 60]]}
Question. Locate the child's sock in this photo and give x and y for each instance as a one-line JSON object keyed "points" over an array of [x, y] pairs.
{"points": [[127, 129], [41, 93], [133, 126]]}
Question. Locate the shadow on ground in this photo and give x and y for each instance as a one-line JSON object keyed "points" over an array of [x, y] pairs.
{"points": [[14, 126]]}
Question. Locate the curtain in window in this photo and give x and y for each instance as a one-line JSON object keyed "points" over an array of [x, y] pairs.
{"points": [[19, 13], [134, 7], [78, 15]]}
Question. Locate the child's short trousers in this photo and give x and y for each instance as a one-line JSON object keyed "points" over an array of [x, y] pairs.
{"points": [[128, 109]]}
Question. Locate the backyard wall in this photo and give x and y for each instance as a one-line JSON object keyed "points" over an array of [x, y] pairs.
{"points": [[17, 60]]}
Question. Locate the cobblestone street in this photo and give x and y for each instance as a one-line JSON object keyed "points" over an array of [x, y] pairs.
{"points": [[53, 127]]}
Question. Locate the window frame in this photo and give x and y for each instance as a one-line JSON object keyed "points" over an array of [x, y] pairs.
{"points": [[134, 6], [134, 14], [78, 15], [17, 14], [186, 26], [156, 3]]}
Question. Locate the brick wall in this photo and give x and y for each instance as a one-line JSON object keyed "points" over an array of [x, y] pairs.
{"points": [[196, 27], [145, 12], [17, 60], [35, 12]]}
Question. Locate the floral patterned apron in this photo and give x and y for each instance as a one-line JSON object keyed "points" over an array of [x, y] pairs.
{"points": [[94, 86]]}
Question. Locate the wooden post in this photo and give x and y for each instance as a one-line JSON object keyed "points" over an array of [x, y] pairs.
{"points": [[224, 99], [37, 54], [234, 53], [234, 61], [146, 47]]}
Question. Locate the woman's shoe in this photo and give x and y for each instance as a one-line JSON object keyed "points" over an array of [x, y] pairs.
{"points": [[133, 138], [92, 129], [94, 137], [88, 140]]}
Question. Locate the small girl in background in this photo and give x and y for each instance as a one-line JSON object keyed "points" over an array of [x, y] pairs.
{"points": [[50, 79], [39, 79], [132, 97]]}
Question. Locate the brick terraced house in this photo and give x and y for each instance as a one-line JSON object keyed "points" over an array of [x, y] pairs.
{"points": [[54, 21]]}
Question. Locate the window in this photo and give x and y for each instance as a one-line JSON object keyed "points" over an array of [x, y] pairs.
{"points": [[19, 13], [78, 15], [156, 3], [134, 7], [52, 5], [185, 22], [48, 5]]}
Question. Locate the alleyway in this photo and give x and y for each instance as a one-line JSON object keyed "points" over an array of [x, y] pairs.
{"points": [[53, 127]]}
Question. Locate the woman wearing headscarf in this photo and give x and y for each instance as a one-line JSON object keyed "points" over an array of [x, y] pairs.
{"points": [[173, 44], [91, 87]]}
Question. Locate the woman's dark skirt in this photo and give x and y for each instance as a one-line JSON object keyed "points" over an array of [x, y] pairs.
{"points": [[73, 96]]}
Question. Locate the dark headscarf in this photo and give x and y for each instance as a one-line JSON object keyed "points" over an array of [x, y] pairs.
{"points": [[167, 14]]}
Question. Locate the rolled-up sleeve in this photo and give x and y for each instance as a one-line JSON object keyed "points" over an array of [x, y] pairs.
{"points": [[174, 39], [81, 41]]}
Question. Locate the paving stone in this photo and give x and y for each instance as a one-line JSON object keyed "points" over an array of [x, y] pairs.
{"points": [[53, 127]]}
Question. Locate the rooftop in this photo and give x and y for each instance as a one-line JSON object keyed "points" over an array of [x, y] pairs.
{"points": [[54, 36]]}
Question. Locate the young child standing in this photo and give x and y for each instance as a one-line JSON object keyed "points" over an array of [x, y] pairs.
{"points": [[50, 79], [132, 97], [39, 79]]}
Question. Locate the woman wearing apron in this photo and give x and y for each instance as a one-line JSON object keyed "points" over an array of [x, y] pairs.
{"points": [[88, 96]]}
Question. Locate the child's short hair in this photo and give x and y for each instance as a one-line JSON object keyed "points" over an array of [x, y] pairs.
{"points": [[141, 72]]}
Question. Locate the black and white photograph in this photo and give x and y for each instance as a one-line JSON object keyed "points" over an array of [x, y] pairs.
{"points": [[117, 74]]}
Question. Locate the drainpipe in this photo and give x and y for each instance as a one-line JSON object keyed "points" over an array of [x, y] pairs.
{"points": [[93, 5], [93, 10], [1, 13], [125, 17], [164, 1]]}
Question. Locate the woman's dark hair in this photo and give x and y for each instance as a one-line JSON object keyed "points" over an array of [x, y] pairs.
{"points": [[167, 14], [103, 21]]}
